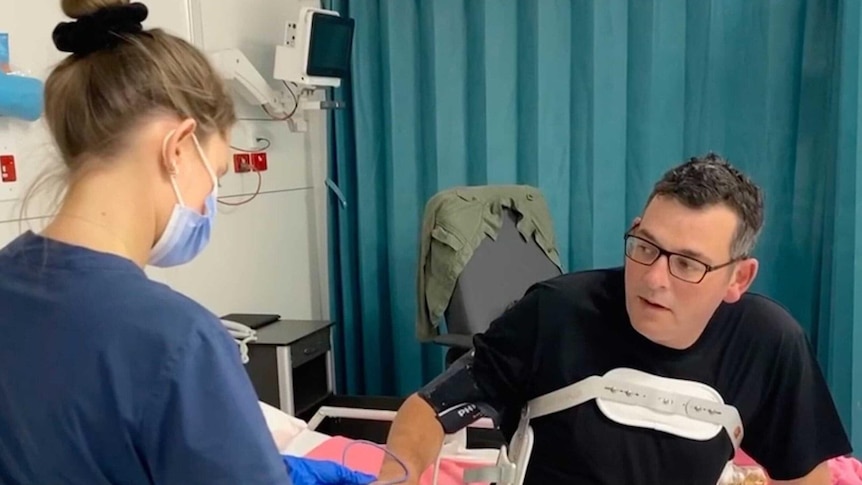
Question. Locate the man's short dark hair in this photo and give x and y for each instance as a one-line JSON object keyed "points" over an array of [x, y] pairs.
{"points": [[710, 180]]}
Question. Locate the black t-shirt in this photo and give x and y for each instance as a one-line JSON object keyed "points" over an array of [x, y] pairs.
{"points": [[752, 352]]}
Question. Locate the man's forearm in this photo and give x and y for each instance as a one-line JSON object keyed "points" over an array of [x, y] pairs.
{"points": [[415, 438]]}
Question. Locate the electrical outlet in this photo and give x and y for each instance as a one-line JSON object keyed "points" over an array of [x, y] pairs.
{"points": [[241, 162], [10, 161], [258, 161], [9, 179], [8, 173]]}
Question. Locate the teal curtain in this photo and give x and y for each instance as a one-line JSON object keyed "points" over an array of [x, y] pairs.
{"points": [[592, 101]]}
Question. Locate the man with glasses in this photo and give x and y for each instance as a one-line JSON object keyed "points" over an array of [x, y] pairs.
{"points": [[678, 314]]}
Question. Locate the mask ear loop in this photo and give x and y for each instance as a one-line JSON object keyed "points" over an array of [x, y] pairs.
{"points": [[206, 162]]}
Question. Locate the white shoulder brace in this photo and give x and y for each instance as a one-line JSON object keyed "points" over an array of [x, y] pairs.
{"points": [[629, 397]]}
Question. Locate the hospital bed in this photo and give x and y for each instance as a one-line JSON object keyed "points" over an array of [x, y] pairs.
{"points": [[455, 445], [305, 440], [299, 438]]}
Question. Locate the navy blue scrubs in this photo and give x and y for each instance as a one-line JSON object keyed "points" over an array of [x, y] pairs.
{"points": [[107, 377]]}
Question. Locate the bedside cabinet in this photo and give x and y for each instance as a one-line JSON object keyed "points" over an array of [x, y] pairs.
{"points": [[291, 364]]}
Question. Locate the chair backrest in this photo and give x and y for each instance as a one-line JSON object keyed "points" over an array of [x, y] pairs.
{"points": [[497, 275]]}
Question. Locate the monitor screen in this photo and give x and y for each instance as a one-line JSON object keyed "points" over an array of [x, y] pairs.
{"points": [[329, 47]]}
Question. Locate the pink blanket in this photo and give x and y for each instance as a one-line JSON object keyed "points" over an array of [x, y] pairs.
{"points": [[367, 459], [844, 470]]}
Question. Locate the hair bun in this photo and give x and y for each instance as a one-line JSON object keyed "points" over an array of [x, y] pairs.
{"points": [[101, 29]]}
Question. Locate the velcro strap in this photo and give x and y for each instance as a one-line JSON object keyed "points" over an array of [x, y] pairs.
{"points": [[499, 474], [664, 402]]}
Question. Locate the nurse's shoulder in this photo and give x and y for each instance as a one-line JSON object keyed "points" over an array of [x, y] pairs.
{"points": [[155, 314]]}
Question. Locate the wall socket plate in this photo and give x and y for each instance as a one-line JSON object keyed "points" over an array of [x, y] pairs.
{"points": [[10, 191]]}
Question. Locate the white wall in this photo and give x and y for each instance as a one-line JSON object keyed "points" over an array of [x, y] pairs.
{"points": [[267, 256]]}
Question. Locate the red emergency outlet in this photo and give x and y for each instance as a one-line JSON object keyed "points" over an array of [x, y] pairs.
{"points": [[7, 169], [241, 162], [258, 161]]}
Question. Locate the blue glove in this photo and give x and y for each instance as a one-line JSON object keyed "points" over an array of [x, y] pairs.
{"points": [[305, 471]]}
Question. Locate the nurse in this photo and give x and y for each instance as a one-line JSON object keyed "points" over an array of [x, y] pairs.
{"points": [[107, 377]]}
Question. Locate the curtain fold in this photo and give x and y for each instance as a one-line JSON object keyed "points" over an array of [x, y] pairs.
{"points": [[592, 102], [839, 327]]}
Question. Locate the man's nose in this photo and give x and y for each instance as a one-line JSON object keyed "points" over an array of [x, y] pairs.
{"points": [[658, 275]]}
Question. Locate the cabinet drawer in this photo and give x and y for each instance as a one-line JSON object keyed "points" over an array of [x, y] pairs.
{"points": [[309, 347]]}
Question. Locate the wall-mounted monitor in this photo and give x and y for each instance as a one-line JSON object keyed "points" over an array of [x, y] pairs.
{"points": [[316, 50]]}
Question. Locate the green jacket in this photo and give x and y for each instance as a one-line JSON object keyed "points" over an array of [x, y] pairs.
{"points": [[456, 222]]}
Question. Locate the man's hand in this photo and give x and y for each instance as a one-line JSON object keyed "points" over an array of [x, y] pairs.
{"points": [[820, 475]]}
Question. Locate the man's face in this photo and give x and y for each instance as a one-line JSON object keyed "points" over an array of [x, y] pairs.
{"points": [[664, 308]]}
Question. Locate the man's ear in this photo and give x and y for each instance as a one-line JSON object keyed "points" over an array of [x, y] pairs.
{"points": [[742, 278], [635, 222]]}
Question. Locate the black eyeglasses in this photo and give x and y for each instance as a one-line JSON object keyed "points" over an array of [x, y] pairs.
{"points": [[680, 266]]}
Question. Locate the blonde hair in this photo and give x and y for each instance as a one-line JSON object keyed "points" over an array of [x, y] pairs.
{"points": [[95, 100], [92, 102]]}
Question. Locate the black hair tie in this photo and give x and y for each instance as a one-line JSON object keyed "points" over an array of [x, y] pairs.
{"points": [[101, 29]]}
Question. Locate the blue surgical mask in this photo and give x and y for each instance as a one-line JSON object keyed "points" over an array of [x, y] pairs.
{"points": [[187, 232]]}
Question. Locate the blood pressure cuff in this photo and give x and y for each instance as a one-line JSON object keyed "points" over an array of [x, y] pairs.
{"points": [[456, 398]]}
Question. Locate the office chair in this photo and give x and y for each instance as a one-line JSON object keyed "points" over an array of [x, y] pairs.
{"points": [[496, 276]]}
